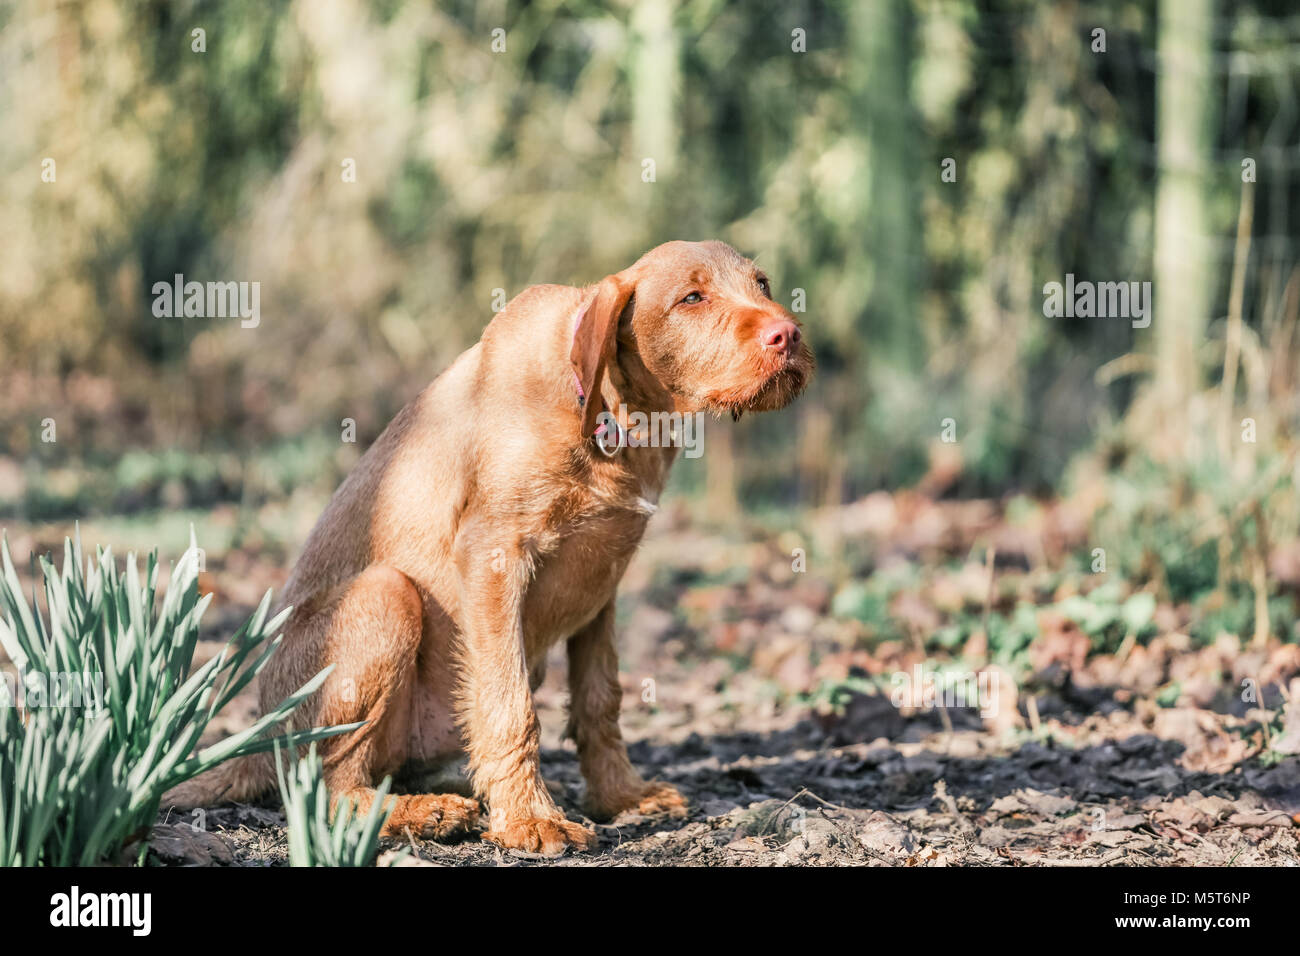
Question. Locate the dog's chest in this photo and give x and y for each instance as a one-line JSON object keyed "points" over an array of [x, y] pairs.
{"points": [[581, 560]]}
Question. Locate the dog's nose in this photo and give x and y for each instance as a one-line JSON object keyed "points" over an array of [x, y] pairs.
{"points": [[782, 336]]}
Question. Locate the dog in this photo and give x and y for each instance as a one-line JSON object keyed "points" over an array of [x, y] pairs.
{"points": [[494, 518]]}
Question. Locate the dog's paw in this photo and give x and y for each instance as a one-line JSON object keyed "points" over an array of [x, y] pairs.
{"points": [[549, 837], [658, 799], [433, 816], [636, 800]]}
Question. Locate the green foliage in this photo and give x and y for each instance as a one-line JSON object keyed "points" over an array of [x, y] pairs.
{"points": [[1194, 528], [1105, 615], [135, 480], [496, 170], [865, 601], [315, 839], [833, 696], [1010, 637], [112, 712]]}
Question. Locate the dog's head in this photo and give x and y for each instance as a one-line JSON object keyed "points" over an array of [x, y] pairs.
{"points": [[696, 322]]}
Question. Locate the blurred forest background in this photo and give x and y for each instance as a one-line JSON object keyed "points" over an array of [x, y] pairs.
{"points": [[1101, 521], [1166, 154]]}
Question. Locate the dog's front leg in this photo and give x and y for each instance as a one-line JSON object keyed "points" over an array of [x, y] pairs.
{"points": [[496, 704], [613, 785]]}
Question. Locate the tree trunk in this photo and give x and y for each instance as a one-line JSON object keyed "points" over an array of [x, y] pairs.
{"points": [[1185, 130]]}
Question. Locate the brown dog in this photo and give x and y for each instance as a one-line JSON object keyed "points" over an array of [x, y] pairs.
{"points": [[493, 518]]}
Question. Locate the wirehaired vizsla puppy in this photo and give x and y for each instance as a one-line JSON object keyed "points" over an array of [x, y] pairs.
{"points": [[492, 519]]}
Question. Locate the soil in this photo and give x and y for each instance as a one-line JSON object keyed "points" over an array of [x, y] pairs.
{"points": [[1141, 754]]}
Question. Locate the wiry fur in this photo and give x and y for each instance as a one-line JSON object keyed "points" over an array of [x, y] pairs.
{"points": [[483, 527]]}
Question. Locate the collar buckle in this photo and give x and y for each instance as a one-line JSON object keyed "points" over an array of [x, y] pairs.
{"points": [[610, 437]]}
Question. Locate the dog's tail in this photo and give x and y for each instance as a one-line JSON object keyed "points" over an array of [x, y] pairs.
{"points": [[238, 780]]}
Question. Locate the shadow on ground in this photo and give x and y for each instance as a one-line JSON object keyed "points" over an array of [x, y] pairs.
{"points": [[797, 796]]}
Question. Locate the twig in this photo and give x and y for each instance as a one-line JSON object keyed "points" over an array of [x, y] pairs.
{"points": [[989, 558], [1236, 292], [1259, 579], [1106, 860], [1035, 725]]}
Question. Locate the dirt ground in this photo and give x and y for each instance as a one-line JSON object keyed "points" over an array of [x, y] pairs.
{"points": [[1115, 795], [748, 688], [761, 669]]}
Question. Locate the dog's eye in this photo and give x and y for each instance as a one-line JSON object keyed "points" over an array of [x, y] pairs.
{"points": [[693, 298], [765, 286]]}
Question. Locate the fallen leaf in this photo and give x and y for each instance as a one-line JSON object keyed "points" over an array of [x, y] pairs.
{"points": [[187, 846]]}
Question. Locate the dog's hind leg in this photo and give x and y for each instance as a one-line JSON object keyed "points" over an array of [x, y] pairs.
{"points": [[370, 629]]}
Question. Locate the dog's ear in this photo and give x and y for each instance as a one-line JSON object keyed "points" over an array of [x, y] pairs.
{"points": [[594, 341]]}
